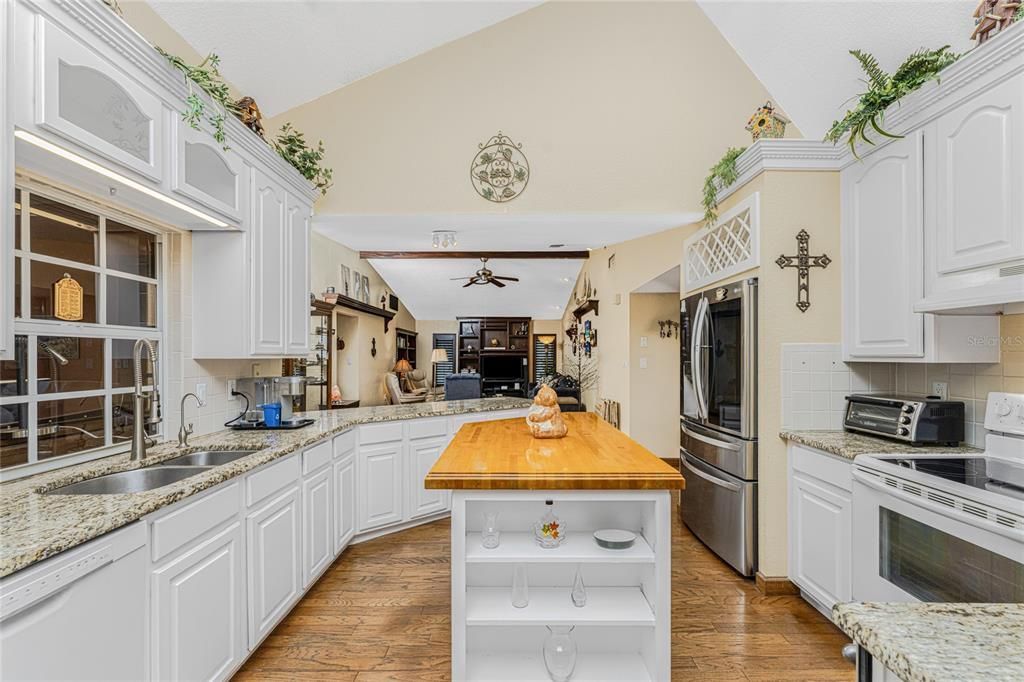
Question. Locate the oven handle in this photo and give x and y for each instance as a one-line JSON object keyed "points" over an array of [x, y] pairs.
{"points": [[710, 479], [721, 444]]}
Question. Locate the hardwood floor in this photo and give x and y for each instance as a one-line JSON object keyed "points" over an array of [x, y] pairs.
{"points": [[381, 613]]}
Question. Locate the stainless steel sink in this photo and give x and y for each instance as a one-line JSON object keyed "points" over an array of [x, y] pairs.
{"points": [[134, 481], [207, 458]]}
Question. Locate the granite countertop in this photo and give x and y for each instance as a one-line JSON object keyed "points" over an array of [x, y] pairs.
{"points": [[848, 444], [934, 642], [34, 527]]}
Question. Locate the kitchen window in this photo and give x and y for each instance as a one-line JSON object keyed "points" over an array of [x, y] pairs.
{"points": [[87, 286]]}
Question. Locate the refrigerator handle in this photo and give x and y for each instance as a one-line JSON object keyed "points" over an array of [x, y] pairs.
{"points": [[728, 485], [697, 358]]}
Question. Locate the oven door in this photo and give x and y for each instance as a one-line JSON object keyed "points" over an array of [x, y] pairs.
{"points": [[907, 548]]}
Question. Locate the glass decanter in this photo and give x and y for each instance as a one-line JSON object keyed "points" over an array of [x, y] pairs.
{"points": [[549, 531], [560, 652], [579, 592], [490, 535]]}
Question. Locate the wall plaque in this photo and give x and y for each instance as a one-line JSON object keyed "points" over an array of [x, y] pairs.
{"points": [[68, 299], [499, 171]]}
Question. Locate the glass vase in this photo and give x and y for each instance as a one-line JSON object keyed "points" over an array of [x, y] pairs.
{"points": [[579, 592], [490, 536], [560, 652], [549, 531], [520, 588]]}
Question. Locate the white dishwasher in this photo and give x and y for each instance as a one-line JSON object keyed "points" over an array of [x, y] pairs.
{"points": [[63, 618]]}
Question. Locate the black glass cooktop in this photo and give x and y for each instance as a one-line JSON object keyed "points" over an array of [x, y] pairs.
{"points": [[994, 475]]}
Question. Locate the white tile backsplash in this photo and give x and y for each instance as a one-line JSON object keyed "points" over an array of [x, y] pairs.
{"points": [[815, 383]]}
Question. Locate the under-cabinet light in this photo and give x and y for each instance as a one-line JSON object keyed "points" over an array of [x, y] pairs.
{"points": [[117, 177]]}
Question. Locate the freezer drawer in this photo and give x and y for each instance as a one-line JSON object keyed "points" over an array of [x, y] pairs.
{"points": [[732, 455], [720, 509]]}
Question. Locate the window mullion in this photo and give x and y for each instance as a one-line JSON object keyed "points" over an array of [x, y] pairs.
{"points": [[101, 293]]}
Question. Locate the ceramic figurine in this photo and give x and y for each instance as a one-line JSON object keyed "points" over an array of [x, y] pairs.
{"points": [[545, 416]]}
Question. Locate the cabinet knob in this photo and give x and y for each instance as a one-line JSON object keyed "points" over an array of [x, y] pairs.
{"points": [[902, 431]]}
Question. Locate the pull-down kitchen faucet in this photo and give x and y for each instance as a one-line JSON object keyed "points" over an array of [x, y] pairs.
{"points": [[139, 437]]}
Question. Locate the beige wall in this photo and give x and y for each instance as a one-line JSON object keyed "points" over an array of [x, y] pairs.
{"points": [[654, 390], [620, 106]]}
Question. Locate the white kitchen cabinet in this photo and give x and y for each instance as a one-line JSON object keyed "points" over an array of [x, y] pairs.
{"points": [[204, 171], [273, 562], [820, 526], [380, 485], [80, 615], [88, 100], [975, 197], [6, 187], [199, 610], [269, 266], [422, 454], [345, 495], [317, 512], [297, 281], [882, 243]]}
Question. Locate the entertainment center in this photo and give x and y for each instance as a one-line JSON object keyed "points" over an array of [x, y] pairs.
{"points": [[498, 348]]}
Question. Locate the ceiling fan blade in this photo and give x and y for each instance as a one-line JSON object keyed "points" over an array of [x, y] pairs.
{"points": [[455, 278], [468, 284], [496, 283], [510, 279]]}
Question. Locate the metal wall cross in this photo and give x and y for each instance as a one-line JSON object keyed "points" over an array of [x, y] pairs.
{"points": [[803, 264]]}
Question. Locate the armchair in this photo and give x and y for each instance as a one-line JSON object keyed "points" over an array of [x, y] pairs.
{"points": [[396, 396]]}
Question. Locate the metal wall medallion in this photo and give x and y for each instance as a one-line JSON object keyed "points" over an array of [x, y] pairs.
{"points": [[803, 262], [499, 171]]}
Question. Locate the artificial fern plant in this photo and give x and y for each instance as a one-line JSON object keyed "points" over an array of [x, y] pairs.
{"points": [[207, 77], [884, 89], [291, 145], [723, 172]]}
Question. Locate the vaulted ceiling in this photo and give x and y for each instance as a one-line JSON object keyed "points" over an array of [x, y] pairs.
{"points": [[306, 48]]}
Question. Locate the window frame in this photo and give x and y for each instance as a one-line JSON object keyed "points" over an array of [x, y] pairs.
{"points": [[34, 328]]}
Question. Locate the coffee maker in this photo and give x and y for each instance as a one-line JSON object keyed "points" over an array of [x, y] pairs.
{"points": [[262, 390]]}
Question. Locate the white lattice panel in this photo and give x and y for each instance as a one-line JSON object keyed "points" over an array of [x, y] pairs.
{"points": [[729, 246]]}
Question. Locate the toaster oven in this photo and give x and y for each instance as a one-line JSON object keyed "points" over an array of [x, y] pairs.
{"points": [[915, 419]]}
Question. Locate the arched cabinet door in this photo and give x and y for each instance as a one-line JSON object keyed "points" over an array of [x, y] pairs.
{"points": [[84, 98], [204, 171]]}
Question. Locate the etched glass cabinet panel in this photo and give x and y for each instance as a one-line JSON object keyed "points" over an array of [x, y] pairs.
{"points": [[207, 173], [87, 99]]}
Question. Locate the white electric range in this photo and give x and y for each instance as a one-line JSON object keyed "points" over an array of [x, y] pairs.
{"points": [[944, 527]]}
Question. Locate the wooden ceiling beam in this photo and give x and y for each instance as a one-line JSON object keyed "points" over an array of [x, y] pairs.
{"points": [[518, 255]]}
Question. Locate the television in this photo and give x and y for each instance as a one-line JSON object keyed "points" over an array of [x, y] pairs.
{"points": [[512, 367]]}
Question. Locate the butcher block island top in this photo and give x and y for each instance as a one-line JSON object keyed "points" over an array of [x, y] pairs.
{"points": [[503, 455]]}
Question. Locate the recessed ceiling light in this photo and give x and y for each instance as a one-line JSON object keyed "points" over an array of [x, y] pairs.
{"points": [[565, 279], [556, 246], [106, 172]]}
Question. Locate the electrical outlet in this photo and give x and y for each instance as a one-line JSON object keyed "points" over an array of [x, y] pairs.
{"points": [[232, 387], [941, 389], [643, 363], [255, 369], [201, 393]]}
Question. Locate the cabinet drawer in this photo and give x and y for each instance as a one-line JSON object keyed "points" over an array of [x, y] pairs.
{"points": [[345, 444], [380, 433], [428, 428], [316, 457], [192, 521], [822, 466], [266, 482]]}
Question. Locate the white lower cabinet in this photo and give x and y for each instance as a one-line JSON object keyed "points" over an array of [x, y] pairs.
{"points": [[421, 457], [274, 566], [318, 540], [380, 485], [199, 610], [344, 471], [820, 526]]}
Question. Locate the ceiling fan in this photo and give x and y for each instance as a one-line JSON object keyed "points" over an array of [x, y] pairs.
{"points": [[485, 276]]}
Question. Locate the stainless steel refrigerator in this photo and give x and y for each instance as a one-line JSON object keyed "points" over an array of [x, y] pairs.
{"points": [[718, 424]]}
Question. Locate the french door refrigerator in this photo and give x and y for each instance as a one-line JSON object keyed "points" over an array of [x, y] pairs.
{"points": [[718, 424]]}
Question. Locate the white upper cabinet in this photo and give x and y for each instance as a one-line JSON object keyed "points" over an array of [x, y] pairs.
{"points": [[82, 97], [268, 266], [975, 193], [882, 242], [206, 172], [297, 287]]}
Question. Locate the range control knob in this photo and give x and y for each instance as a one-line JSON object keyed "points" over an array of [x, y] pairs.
{"points": [[1003, 409], [902, 431], [904, 420], [908, 408]]}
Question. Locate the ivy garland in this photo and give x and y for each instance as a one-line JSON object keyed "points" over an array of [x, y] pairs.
{"points": [[291, 145], [723, 172], [207, 77]]}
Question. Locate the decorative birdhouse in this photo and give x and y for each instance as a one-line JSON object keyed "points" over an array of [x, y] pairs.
{"points": [[766, 123], [250, 115], [992, 16]]}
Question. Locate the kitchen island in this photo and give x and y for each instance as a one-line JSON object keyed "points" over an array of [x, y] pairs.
{"points": [[594, 478]]}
